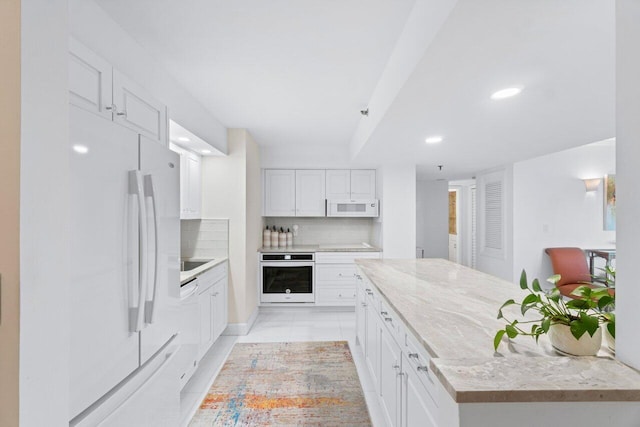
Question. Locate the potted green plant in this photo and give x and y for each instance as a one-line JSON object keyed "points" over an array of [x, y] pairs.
{"points": [[573, 326]]}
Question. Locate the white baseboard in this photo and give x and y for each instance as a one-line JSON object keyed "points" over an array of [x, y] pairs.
{"points": [[242, 328]]}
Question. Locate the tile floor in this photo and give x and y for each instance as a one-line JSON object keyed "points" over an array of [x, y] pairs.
{"points": [[279, 325]]}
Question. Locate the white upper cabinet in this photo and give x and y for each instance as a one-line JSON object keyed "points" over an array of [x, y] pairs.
{"points": [[95, 86], [338, 184], [137, 109], [363, 184], [310, 193], [90, 81], [279, 192], [190, 183], [354, 184]]}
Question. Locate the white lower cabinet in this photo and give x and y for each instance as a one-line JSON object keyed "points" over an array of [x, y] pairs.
{"points": [[372, 348], [389, 377], [206, 321], [418, 407], [336, 277], [212, 302], [398, 367]]}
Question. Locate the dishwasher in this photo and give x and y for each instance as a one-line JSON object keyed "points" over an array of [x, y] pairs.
{"points": [[189, 330]]}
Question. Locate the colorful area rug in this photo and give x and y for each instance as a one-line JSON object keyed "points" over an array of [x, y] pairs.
{"points": [[286, 384]]}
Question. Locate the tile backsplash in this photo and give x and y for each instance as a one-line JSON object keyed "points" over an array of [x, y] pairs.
{"points": [[324, 231], [204, 238]]}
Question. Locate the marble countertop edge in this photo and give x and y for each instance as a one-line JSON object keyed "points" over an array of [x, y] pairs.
{"points": [[530, 373]]}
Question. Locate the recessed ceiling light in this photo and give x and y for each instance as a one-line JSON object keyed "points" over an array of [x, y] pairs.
{"points": [[433, 139], [206, 151], [183, 139], [506, 93], [82, 149]]}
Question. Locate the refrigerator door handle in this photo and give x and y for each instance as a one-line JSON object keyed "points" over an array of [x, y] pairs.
{"points": [[136, 187], [150, 191]]}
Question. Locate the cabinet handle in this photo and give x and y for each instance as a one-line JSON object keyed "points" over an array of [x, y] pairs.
{"points": [[111, 107], [216, 294], [123, 113], [364, 304], [388, 319], [423, 368], [384, 313], [396, 366], [414, 355]]}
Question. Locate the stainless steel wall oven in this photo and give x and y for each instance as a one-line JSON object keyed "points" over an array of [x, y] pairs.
{"points": [[287, 277]]}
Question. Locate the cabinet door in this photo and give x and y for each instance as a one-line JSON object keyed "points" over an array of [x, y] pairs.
{"points": [[138, 110], [194, 198], [338, 184], [310, 193], [90, 81], [219, 296], [417, 405], [363, 184], [361, 318], [372, 338], [279, 192], [389, 377], [206, 322]]}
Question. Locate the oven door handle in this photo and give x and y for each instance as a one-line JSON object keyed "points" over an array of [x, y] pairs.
{"points": [[287, 264]]}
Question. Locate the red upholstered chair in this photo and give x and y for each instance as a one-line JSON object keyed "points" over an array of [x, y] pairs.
{"points": [[571, 265]]}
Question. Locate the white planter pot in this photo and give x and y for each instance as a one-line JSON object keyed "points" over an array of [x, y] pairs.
{"points": [[564, 342]]}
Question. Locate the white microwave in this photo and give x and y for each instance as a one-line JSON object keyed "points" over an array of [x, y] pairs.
{"points": [[353, 208]]}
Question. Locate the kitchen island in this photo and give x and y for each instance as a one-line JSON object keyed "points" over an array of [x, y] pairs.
{"points": [[426, 328]]}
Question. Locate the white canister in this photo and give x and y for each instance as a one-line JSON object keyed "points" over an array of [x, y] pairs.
{"points": [[282, 238], [289, 237], [274, 239], [266, 238]]}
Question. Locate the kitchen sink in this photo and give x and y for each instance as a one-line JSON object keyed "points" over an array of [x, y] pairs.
{"points": [[190, 265]]}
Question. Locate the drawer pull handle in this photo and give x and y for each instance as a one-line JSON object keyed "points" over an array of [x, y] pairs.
{"points": [[388, 319], [414, 355], [364, 304], [423, 368], [384, 313], [369, 292]]}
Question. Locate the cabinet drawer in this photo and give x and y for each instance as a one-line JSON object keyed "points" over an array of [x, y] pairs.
{"points": [[345, 295], [343, 257], [418, 358], [335, 273]]}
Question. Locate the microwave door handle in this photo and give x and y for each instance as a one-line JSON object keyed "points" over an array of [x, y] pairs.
{"points": [[136, 187], [150, 191]]}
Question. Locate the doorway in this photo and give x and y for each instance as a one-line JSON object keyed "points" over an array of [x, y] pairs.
{"points": [[454, 225]]}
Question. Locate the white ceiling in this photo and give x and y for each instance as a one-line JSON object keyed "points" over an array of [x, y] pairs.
{"points": [[297, 72], [290, 71], [562, 52]]}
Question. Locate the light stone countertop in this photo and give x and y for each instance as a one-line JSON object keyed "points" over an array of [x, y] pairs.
{"points": [[185, 276], [355, 247], [451, 310]]}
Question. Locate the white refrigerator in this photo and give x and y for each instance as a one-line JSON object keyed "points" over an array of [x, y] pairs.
{"points": [[125, 286]]}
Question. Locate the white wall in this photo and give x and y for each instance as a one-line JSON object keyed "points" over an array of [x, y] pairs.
{"points": [[231, 189], [627, 197], [44, 216], [502, 265], [398, 210], [305, 156], [552, 208], [92, 26], [432, 220]]}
